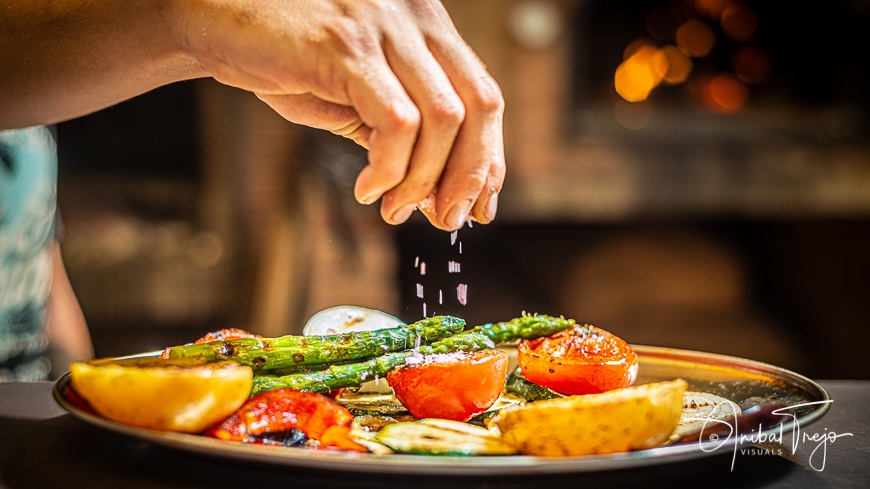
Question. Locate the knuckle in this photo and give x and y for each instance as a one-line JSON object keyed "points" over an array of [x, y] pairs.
{"points": [[403, 119], [419, 190], [488, 96], [388, 175], [473, 179], [448, 110]]}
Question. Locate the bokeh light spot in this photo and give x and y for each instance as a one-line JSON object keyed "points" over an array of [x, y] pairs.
{"points": [[752, 65], [739, 22], [695, 38]]}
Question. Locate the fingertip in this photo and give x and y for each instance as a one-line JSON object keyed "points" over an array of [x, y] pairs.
{"points": [[488, 209], [457, 216], [401, 215]]}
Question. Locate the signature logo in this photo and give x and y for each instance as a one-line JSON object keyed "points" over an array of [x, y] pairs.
{"points": [[817, 441]]}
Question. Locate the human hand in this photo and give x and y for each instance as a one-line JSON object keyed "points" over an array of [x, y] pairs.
{"points": [[392, 75]]}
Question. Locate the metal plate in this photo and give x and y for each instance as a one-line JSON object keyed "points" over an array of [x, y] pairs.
{"points": [[745, 382]]}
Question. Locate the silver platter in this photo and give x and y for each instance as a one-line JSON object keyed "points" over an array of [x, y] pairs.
{"points": [[744, 382]]}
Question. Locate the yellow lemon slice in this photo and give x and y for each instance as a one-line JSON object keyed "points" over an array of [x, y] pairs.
{"points": [[159, 394]]}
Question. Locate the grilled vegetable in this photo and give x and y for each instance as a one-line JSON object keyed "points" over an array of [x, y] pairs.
{"points": [[159, 394], [456, 386], [527, 326], [442, 437], [221, 334], [582, 359], [373, 405], [530, 391], [293, 351], [701, 410], [619, 420], [266, 417], [356, 374]]}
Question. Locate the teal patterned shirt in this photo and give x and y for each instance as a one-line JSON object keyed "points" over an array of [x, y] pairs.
{"points": [[28, 178]]}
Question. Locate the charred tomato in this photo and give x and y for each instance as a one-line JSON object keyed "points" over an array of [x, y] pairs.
{"points": [[579, 360], [456, 386]]}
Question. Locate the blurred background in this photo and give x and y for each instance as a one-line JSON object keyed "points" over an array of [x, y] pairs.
{"points": [[684, 173]]}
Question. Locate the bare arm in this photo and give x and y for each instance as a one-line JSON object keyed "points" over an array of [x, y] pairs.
{"points": [[393, 75], [63, 59], [70, 338]]}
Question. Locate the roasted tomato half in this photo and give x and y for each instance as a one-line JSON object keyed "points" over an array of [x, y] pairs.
{"points": [[579, 360], [266, 418], [456, 386]]}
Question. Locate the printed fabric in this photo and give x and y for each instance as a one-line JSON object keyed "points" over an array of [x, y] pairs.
{"points": [[28, 180]]}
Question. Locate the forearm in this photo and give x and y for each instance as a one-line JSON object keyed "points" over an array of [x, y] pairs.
{"points": [[61, 59]]}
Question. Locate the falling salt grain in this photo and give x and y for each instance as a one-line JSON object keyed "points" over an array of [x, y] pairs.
{"points": [[460, 247], [453, 237], [417, 342], [453, 267], [462, 293], [424, 309], [420, 290], [416, 261], [423, 268], [441, 297]]}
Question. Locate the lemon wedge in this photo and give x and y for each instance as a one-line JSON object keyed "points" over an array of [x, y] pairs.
{"points": [[161, 394]]}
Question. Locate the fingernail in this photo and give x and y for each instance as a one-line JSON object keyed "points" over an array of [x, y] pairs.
{"points": [[368, 199], [491, 207], [403, 214], [458, 215]]}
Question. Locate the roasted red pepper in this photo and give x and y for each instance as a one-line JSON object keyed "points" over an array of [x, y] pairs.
{"points": [[281, 410]]}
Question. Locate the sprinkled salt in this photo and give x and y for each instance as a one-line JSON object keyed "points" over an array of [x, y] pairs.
{"points": [[420, 290], [422, 268], [416, 261], [462, 293], [440, 296], [453, 267], [453, 237], [424, 309]]}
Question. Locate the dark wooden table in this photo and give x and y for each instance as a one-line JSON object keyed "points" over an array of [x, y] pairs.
{"points": [[42, 446]]}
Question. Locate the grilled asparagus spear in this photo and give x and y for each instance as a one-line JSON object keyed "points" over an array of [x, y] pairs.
{"points": [[292, 351], [525, 327], [355, 374]]}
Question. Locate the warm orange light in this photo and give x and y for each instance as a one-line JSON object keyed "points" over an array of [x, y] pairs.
{"points": [[752, 65], [695, 38], [672, 65], [634, 81], [711, 8], [636, 77], [726, 93], [636, 46], [739, 22]]}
